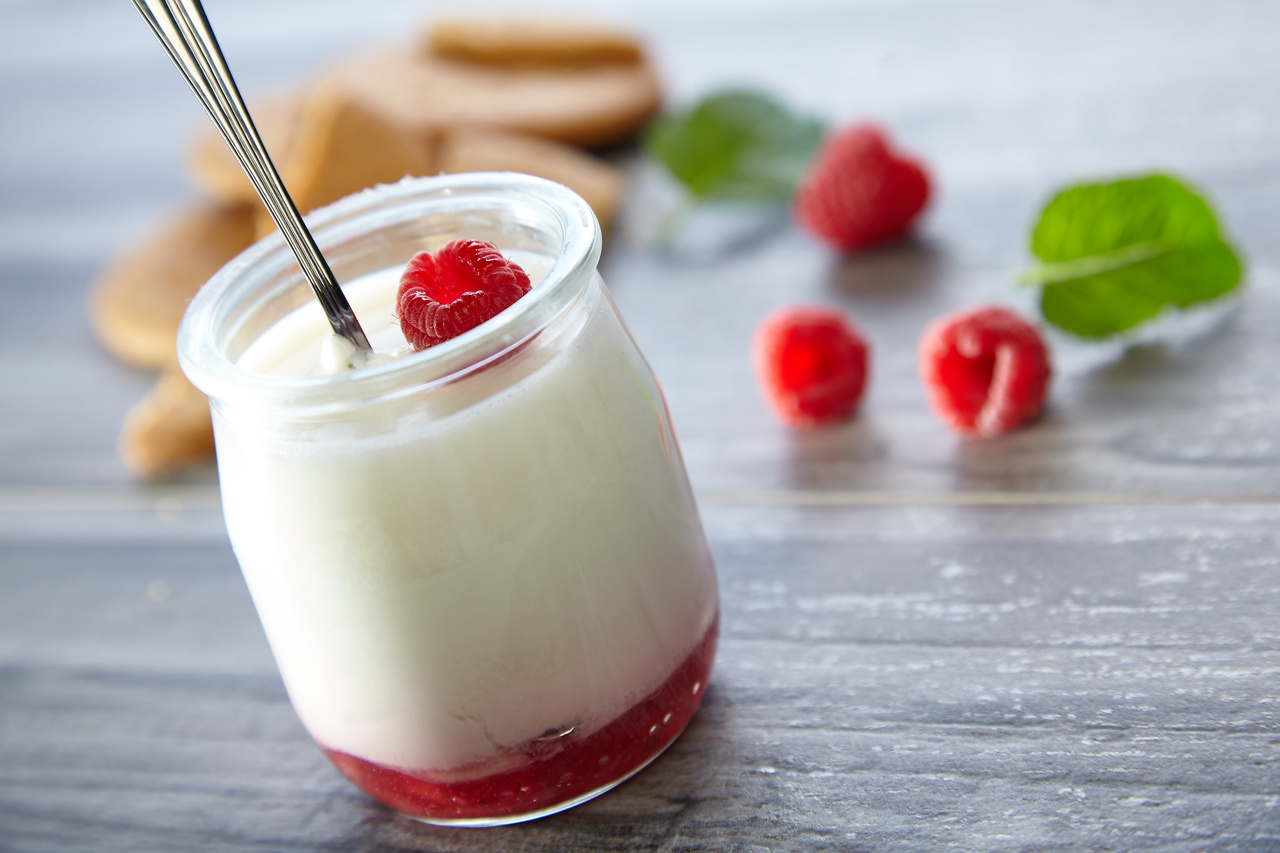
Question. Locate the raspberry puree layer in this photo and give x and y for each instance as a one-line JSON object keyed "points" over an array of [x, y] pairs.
{"points": [[558, 770]]}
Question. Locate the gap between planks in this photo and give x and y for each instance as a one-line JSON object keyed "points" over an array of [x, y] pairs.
{"points": [[24, 499], [837, 498]]}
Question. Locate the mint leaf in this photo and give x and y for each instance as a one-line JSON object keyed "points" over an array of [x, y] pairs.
{"points": [[1115, 255], [736, 146]]}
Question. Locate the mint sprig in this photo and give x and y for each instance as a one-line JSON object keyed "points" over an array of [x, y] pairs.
{"points": [[736, 145], [1115, 255]]}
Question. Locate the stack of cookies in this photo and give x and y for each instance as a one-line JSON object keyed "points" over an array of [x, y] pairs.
{"points": [[527, 96]]}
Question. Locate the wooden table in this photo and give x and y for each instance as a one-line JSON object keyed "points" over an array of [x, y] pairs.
{"points": [[1064, 639]]}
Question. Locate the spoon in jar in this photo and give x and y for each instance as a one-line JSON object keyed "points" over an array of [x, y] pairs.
{"points": [[185, 32]]}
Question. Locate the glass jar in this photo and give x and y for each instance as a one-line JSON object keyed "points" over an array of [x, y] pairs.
{"points": [[480, 567]]}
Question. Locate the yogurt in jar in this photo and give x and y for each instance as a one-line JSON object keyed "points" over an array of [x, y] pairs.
{"points": [[492, 597]]}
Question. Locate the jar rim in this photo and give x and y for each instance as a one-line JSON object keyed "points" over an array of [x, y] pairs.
{"points": [[268, 267]]}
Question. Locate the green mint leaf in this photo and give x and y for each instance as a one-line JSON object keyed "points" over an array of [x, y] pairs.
{"points": [[1115, 255], [736, 146]]}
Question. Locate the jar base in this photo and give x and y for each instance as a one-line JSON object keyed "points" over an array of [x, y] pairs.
{"points": [[507, 820], [560, 774]]}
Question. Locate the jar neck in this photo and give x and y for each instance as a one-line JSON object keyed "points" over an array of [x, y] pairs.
{"points": [[374, 230]]}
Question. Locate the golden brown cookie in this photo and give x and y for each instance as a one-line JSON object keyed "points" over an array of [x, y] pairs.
{"points": [[520, 42], [592, 106], [600, 183], [341, 147], [169, 428], [137, 302], [215, 170], [326, 145]]}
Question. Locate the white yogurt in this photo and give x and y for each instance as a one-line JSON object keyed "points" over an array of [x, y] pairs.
{"points": [[448, 576]]}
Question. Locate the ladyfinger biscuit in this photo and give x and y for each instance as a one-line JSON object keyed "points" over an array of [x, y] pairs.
{"points": [[478, 150], [137, 302], [521, 42], [169, 428]]}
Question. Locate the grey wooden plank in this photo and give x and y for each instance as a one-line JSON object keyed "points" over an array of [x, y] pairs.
{"points": [[1181, 578], [61, 409], [987, 678], [1193, 415], [232, 770]]}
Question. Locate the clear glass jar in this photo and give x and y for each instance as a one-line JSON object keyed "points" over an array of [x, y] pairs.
{"points": [[480, 567]]}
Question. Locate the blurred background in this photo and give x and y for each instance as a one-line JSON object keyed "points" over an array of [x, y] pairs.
{"points": [[1004, 101]]}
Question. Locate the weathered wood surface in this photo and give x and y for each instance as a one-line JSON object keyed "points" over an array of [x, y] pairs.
{"points": [[1066, 639], [993, 678]]}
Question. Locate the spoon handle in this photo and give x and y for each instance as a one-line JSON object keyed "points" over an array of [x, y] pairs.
{"points": [[184, 31]]}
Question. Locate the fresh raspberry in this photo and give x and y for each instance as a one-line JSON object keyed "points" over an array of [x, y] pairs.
{"points": [[812, 364], [858, 192], [987, 370], [463, 284]]}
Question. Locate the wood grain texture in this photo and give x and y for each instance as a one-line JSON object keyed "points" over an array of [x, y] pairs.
{"points": [[1067, 639], [975, 679]]}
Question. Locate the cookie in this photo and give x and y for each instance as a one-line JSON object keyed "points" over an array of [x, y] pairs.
{"points": [[214, 169], [477, 150], [592, 106], [325, 145], [517, 43], [137, 302], [169, 428], [341, 147]]}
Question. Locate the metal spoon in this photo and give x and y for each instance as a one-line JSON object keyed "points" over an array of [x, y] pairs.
{"points": [[184, 31]]}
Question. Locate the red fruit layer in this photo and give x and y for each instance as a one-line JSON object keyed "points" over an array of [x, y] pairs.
{"points": [[560, 770], [812, 365], [987, 370], [454, 290]]}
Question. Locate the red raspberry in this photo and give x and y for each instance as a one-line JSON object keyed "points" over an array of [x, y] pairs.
{"points": [[463, 284], [812, 364], [987, 370], [858, 192]]}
